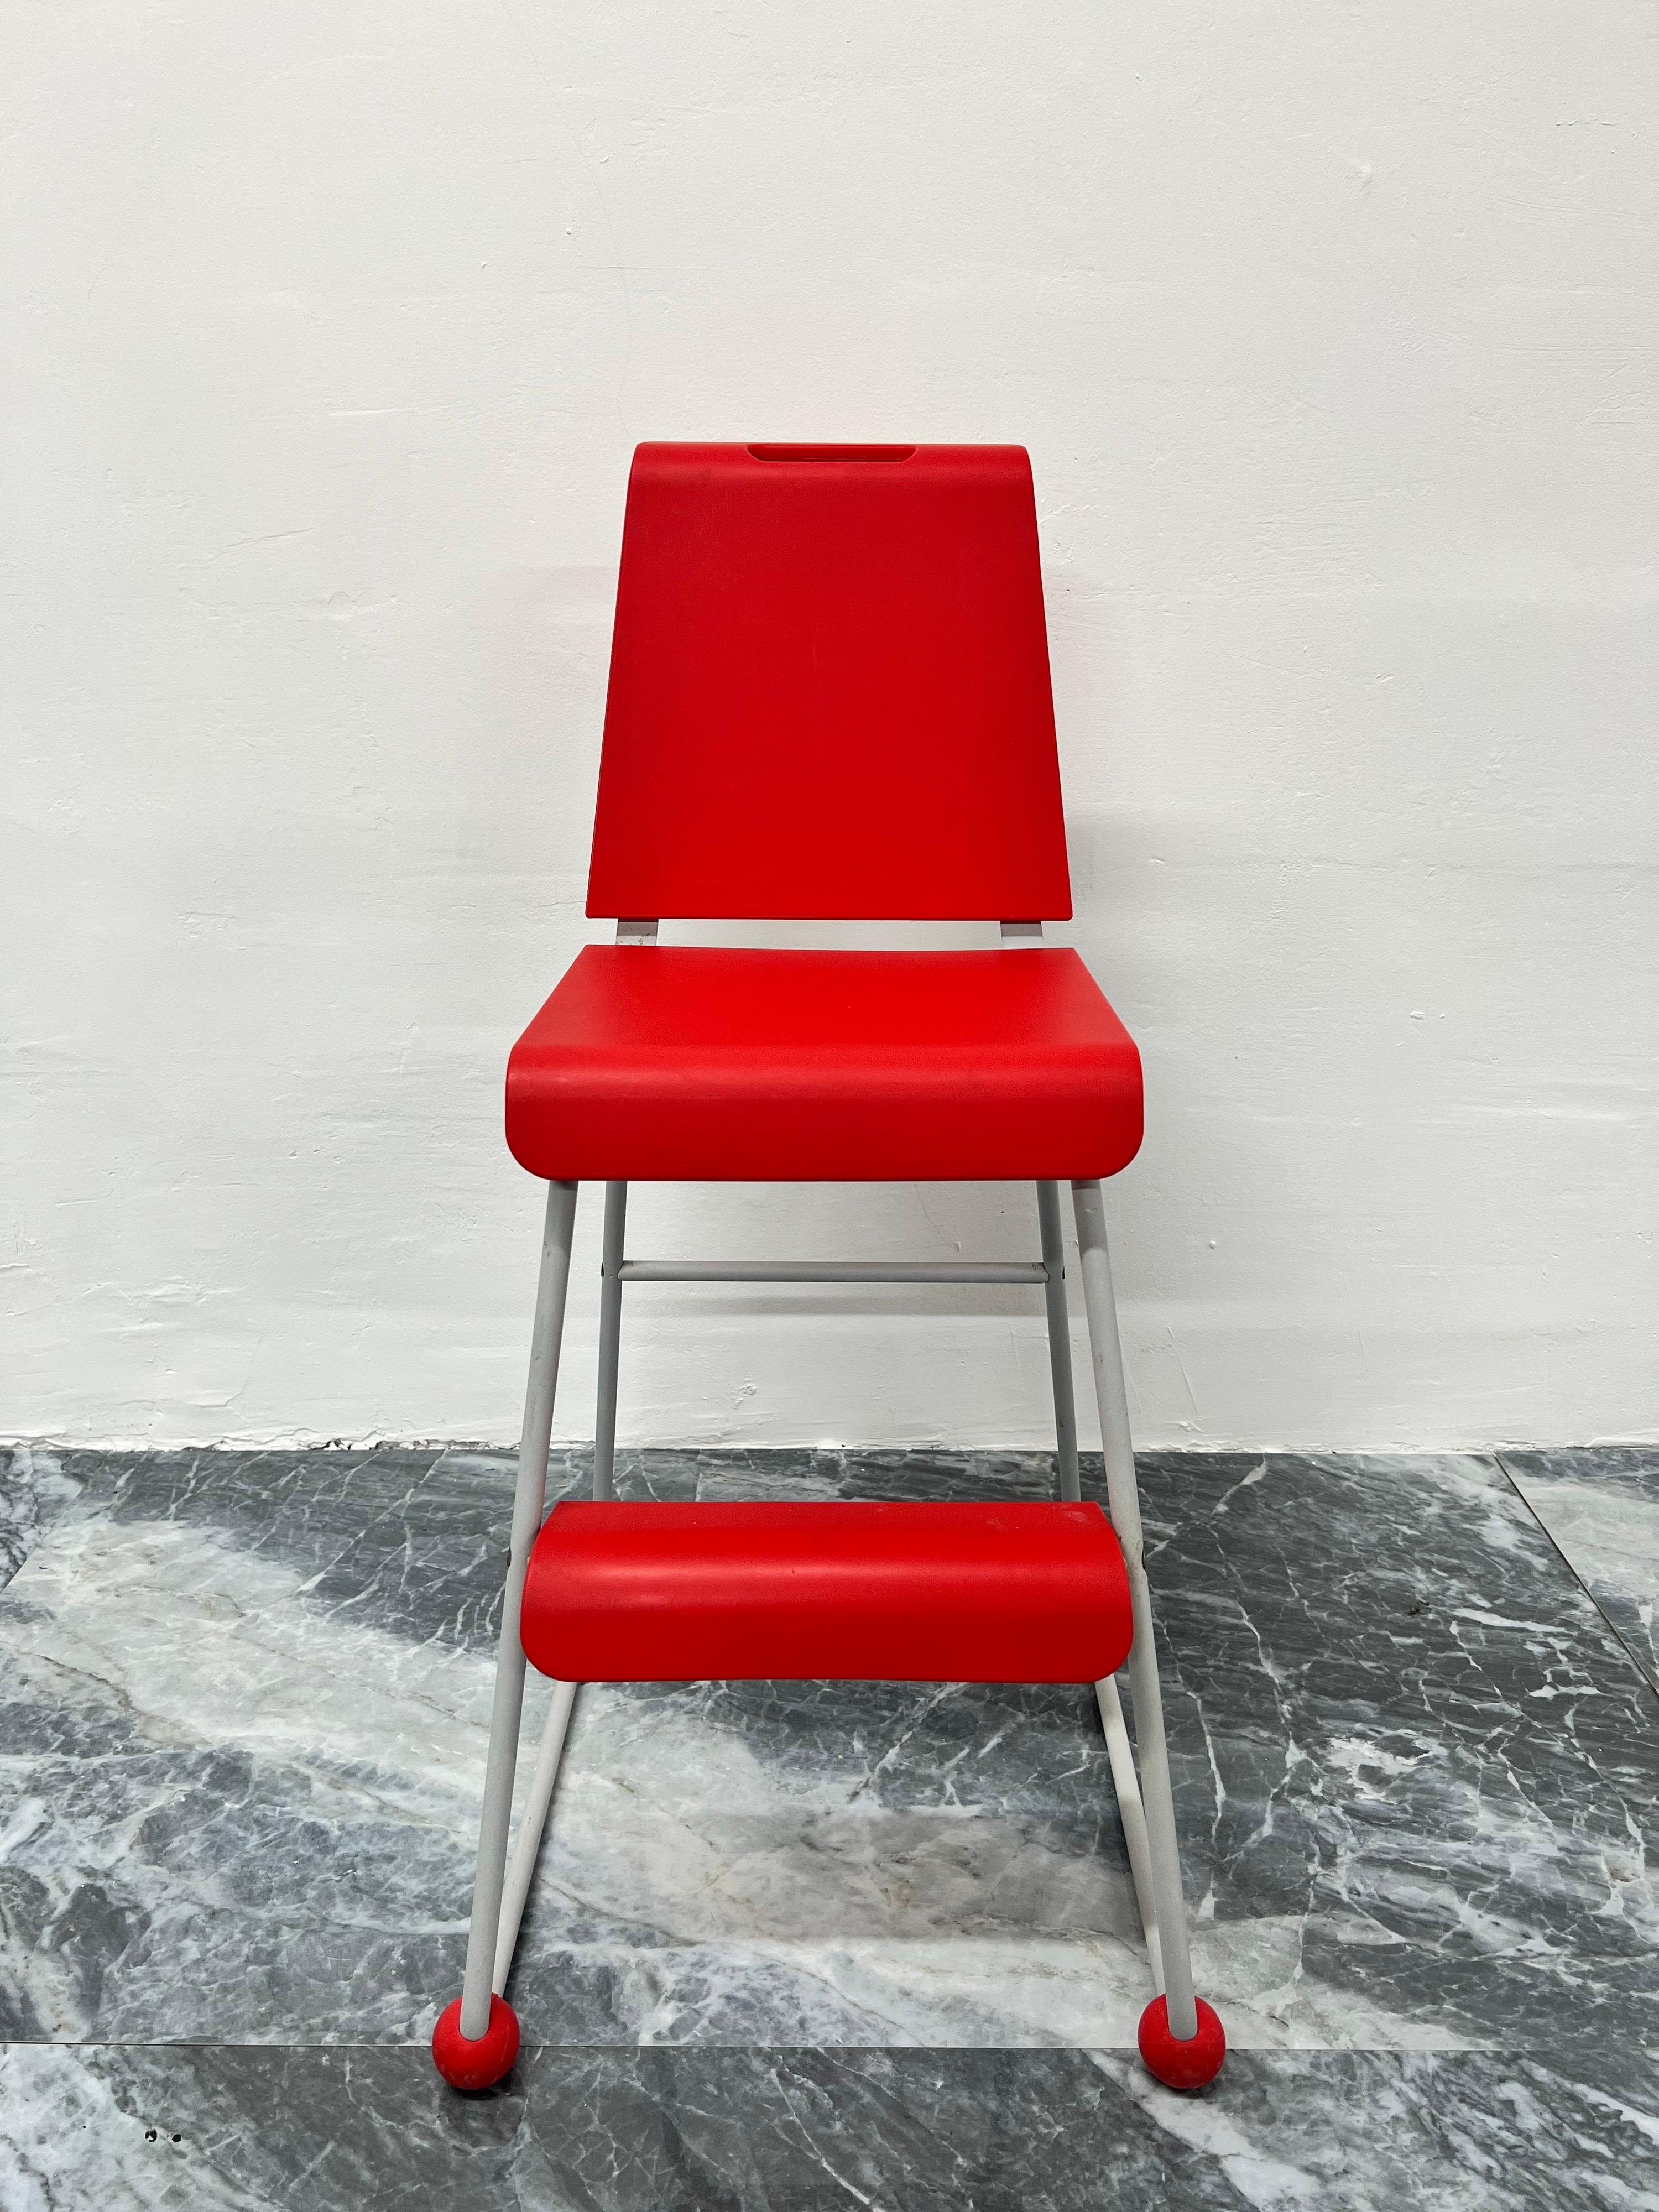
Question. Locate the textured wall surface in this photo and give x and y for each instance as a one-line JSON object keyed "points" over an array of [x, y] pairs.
{"points": [[330, 328]]}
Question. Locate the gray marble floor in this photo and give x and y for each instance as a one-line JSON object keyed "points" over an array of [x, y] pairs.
{"points": [[1602, 1507], [804, 1944], [682, 2130]]}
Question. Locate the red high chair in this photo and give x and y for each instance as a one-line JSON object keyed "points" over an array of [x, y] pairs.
{"points": [[828, 699]]}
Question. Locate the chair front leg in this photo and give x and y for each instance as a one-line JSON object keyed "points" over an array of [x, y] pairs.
{"points": [[528, 1499], [1123, 1503]]}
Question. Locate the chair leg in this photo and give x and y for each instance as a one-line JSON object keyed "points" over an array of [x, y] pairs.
{"points": [[480, 2018], [1180, 2039], [1132, 1814], [521, 1866], [611, 1290], [1060, 1340]]}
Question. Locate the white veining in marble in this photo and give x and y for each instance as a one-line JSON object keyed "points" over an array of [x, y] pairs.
{"points": [[33, 1490], [71, 2143], [204, 1643], [1601, 1508], [1415, 2136]]}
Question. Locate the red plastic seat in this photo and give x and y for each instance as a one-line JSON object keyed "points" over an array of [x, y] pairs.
{"points": [[846, 1067], [835, 1592]]}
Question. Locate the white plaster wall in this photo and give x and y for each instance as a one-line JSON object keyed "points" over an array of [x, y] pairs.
{"points": [[1331, 329]]}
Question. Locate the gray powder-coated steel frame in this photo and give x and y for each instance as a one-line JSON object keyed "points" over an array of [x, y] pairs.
{"points": [[1145, 1800]]}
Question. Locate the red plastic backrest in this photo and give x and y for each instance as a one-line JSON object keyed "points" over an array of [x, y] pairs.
{"points": [[829, 691]]}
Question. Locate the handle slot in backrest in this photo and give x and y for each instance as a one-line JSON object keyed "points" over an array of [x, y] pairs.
{"points": [[831, 453]]}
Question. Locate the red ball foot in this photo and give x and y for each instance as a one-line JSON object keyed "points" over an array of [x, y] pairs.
{"points": [[465, 2065], [1187, 2065]]}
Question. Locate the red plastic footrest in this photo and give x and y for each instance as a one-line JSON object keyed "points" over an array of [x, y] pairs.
{"points": [[862, 1593], [469, 2063], [1186, 2065]]}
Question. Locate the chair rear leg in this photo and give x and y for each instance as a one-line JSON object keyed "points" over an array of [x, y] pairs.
{"points": [[611, 1290], [1181, 2038], [1060, 1340], [1132, 1814], [521, 1866], [476, 2039]]}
